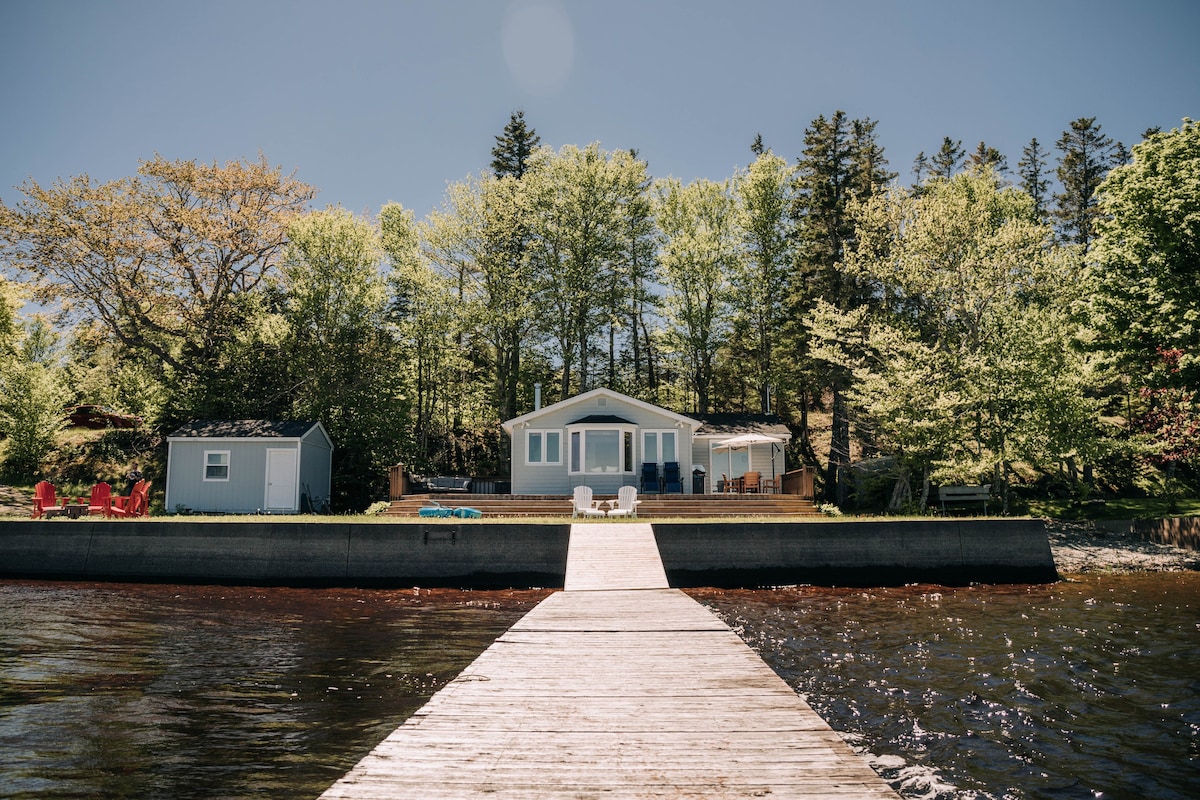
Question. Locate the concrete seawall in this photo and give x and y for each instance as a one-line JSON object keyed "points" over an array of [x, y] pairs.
{"points": [[947, 551], [485, 554], [318, 553]]}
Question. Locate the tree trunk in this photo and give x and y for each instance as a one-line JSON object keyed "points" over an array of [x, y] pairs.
{"points": [[839, 450]]}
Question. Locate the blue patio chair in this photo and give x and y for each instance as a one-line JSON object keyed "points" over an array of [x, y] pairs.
{"points": [[650, 481], [671, 480]]}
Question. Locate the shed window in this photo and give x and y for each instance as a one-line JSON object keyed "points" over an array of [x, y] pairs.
{"points": [[216, 465]]}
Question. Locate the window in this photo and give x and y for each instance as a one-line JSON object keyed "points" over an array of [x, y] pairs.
{"points": [[543, 447], [216, 465], [659, 447], [602, 450]]}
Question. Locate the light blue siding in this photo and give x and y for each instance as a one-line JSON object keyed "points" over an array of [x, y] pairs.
{"points": [[556, 478]]}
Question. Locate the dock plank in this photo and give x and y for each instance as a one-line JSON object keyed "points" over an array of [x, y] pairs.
{"points": [[619, 688]]}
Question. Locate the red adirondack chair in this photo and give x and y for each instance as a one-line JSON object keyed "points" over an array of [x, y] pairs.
{"points": [[137, 504], [98, 502], [44, 499]]}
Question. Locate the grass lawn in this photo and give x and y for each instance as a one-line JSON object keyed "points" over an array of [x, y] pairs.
{"points": [[1117, 508]]}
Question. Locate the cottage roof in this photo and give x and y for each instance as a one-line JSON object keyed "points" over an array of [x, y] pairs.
{"points": [[526, 419], [601, 419], [243, 429], [731, 424]]}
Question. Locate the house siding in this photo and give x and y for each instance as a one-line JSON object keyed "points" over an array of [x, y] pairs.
{"points": [[315, 464], [245, 491], [715, 463], [557, 479]]}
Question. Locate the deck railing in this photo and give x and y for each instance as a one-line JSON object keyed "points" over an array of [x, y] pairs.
{"points": [[799, 482]]}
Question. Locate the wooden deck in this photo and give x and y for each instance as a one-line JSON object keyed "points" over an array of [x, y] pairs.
{"points": [[653, 506], [616, 687]]}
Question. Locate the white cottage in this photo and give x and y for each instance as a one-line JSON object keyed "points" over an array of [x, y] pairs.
{"points": [[246, 466], [606, 440]]}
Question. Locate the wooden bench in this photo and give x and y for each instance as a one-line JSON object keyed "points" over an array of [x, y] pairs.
{"points": [[964, 495]]}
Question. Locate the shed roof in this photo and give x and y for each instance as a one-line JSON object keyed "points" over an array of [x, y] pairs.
{"points": [[243, 429]]}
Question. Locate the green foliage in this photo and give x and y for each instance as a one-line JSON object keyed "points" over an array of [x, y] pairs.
{"points": [[510, 156], [580, 203], [31, 402], [700, 252], [158, 259], [1147, 261], [759, 279], [967, 367], [342, 364], [1087, 155], [942, 329]]}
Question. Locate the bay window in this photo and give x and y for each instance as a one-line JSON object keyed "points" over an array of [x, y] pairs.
{"points": [[601, 450]]}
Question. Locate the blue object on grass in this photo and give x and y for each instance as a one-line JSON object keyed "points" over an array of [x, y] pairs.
{"points": [[435, 511]]}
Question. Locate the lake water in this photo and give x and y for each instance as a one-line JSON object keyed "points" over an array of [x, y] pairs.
{"points": [[1081, 689]]}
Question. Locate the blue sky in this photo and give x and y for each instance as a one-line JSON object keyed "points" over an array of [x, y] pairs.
{"points": [[373, 101]]}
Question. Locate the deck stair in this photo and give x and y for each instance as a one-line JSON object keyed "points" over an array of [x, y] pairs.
{"points": [[653, 506]]}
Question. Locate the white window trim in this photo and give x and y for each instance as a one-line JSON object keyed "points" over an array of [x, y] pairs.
{"points": [[544, 462], [622, 457], [228, 466]]}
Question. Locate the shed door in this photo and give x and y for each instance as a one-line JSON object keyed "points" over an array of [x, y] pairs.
{"points": [[281, 479]]}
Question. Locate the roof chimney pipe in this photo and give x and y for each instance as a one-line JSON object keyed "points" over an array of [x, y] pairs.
{"points": [[537, 396]]}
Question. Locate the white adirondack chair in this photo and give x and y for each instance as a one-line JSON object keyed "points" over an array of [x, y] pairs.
{"points": [[582, 505], [627, 503]]}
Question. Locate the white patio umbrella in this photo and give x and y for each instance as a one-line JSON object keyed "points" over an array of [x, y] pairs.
{"points": [[745, 440]]}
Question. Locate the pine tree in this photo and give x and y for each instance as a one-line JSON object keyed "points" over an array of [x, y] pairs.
{"points": [[920, 168], [1032, 171], [949, 159], [985, 156], [1087, 156], [510, 156], [841, 162]]}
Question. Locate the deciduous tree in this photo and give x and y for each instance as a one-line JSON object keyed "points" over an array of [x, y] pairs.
{"points": [[159, 259], [700, 251]]}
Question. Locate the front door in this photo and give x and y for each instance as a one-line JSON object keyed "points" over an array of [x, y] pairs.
{"points": [[281, 480]]}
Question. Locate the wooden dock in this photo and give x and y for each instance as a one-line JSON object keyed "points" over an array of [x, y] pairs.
{"points": [[617, 687]]}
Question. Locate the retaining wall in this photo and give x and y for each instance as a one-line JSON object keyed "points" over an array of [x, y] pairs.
{"points": [[484, 554], [1179, 531], [946, 551], [476, 554]]}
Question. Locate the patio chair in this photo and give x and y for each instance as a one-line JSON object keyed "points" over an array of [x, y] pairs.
{"points": [[671, 480], [627, 503], [137, 504], [751, 482], [650, 481], [582, 503], [98, 502], [45, 498]]}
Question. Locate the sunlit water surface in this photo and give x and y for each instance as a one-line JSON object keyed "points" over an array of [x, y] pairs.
{"points": [[1081, 689], [1087, 688]]}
